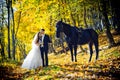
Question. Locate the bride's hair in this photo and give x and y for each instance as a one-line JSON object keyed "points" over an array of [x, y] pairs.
{"points": [[37, 40]]}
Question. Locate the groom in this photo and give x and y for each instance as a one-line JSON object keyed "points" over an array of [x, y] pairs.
{"points": [[44, 47]]}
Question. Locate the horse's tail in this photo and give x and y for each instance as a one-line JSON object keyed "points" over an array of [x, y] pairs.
{"points": [[93, 34], [94, 38]]}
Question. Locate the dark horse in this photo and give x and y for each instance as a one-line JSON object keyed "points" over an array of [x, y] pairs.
{"points": [[78, 36]]}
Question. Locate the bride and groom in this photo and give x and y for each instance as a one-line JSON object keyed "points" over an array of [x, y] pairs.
{"points": [[38, 55]]}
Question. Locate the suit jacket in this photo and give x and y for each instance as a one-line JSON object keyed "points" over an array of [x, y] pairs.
{"points": [[46, 40]]}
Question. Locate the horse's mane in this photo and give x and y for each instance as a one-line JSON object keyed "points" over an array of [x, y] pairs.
{"points": [[66, 24]]}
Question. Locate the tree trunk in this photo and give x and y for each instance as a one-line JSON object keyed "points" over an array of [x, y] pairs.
{"points": [[8, 7], [78, 20], [59, 12], [13, 35], [84, 17], [72, 17], [100, 17], [115, 9], [2, 36], [18, 24], [2, 46], [108, 33], [22, 49]]}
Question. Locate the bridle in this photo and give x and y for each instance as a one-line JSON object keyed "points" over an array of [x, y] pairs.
{"points": [[61, 26]]}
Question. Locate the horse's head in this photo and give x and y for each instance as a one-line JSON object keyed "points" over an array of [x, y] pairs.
{"points": [[59, 28]]}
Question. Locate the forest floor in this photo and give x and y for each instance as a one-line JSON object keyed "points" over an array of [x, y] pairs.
{"points": [[61, 68]]}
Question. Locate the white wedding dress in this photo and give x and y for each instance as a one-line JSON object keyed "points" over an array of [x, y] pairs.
{"points": [[33, 59]]}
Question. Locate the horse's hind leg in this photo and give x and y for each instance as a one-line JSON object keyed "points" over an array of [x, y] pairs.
{"points": [[71, 50], [91, 51], [96, 49], [75, 52]]}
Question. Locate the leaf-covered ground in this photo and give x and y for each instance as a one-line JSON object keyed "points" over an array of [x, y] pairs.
{"points": [[61, 68]]}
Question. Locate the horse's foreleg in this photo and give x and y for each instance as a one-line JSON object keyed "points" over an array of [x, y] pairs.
{"points": [[75, 52], [71, 50], [91, 51]]}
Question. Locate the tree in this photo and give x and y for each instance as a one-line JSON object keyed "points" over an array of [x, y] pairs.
{"points": [[115, 10], [85, 21], [48, 12], [107, 25], [13, 34], [9, 2], [2, 32]]}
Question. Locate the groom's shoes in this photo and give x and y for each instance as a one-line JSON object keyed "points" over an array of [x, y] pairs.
{"points": [[45, 65]]}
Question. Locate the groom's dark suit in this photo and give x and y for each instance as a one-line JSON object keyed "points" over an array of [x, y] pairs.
{"points": [[44, 50]]}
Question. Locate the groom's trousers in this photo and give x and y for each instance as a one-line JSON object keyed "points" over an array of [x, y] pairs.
{"points": [[44, 56]]}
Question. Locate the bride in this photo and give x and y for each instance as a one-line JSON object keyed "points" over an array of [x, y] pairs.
{"points": [[33, 59]]}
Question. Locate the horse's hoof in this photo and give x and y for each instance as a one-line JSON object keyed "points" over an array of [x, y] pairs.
{"points": [[72, 60], [75, 60], [89, 61]]}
